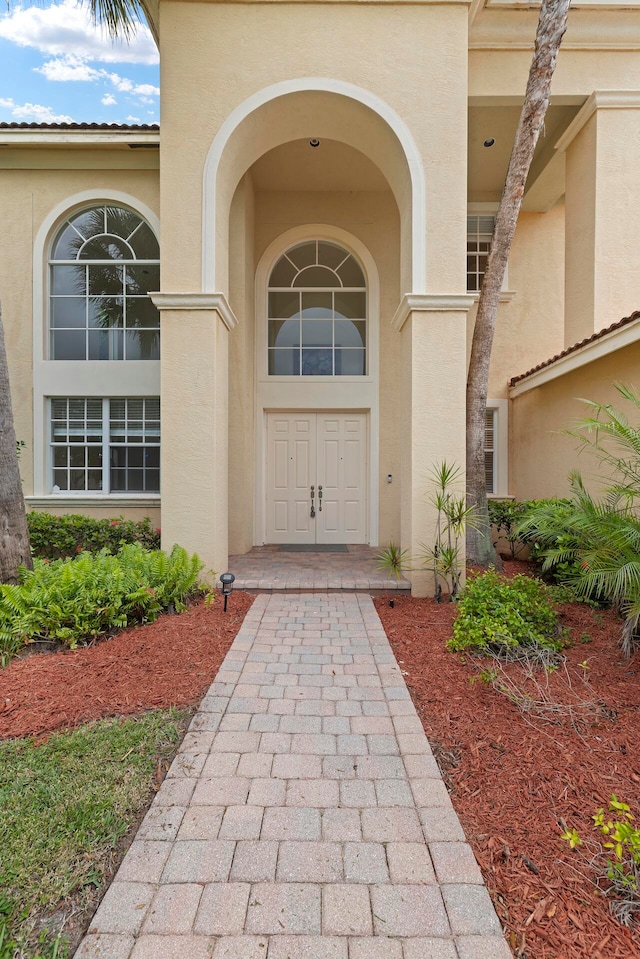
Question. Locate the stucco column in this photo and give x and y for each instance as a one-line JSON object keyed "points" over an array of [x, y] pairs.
{"points": [[195, 423], [433, 331], [602, 211]]}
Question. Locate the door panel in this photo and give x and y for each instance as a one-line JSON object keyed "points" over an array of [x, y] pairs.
{"points": [[319, 449], [291, 461]]}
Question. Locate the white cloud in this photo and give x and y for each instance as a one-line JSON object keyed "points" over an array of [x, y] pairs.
{"points": [[134, 120], [33, 112], [68, 26], [68, 68], [124, 85], [108, 100], [146, 90]]}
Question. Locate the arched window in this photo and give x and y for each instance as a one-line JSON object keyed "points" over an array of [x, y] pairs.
{"points": [[104, 261], [317, 313]]}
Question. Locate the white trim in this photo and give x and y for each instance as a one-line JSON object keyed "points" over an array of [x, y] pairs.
{"points": [[596, 350], [108, 501], [329, 85], [197, 301], [84, 138], [52, 377], [500, 446], [505, 296], [431, 303], [599, 100], [316, 393]]}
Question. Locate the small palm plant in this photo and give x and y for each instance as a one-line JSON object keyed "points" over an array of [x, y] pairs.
{"points": [[600, 538], [445, 557]]}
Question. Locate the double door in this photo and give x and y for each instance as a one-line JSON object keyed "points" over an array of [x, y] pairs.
{"points": [[316, 478]]}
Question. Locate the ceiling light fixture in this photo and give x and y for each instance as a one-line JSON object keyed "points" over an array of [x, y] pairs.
{"points": [[489, 142], [314, 143]]}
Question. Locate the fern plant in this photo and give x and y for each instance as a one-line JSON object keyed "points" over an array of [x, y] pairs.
{"points": [[73, 600], [599, 539]]}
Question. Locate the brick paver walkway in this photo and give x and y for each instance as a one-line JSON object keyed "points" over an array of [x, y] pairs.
{"points": [[304, 816]]}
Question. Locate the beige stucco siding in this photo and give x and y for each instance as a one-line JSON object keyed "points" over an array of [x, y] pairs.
{"points": [[27, 199], [541, 455]]}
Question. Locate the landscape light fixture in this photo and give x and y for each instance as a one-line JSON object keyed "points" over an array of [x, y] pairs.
{"points": [[227, 580]]}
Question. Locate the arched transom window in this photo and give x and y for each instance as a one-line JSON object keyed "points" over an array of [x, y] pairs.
{"points": [[104, 262], [317, 313]]}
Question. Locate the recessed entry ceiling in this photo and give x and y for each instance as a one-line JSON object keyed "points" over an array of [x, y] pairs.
{"points": [[330, 166], [488, 166]]}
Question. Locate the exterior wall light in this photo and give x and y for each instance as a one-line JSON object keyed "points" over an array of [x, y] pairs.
{"points": [[227, 580]]}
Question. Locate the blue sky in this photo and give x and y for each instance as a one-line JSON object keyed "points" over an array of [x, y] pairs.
{"points": [[57, 67]]}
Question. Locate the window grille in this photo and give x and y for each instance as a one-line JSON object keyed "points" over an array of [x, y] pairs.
{"points": [[106, 445], [479, 236], [317, 313]]}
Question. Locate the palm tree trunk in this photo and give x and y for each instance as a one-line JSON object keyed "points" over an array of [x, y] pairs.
{"points": [[14, 534], [551, 27]]}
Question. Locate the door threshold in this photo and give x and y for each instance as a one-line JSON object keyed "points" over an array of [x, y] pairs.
{"points": [[313, 548]]}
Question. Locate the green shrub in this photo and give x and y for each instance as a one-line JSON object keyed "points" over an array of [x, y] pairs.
{"points": [[53, 537], [72, 600], [497, 613]]}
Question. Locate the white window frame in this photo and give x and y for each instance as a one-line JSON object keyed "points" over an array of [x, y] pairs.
{"points": [[106, 445], [79, 378], [500, 409], [489, 209]]}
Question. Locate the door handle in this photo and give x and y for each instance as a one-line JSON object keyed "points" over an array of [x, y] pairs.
{"points": [[320, 499], [313, 497]]}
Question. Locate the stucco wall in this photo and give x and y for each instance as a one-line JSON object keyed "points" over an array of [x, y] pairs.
{"points": [[33, 183], [529, 329], [541, 456]]}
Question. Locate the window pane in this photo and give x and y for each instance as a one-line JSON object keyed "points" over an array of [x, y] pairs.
{"points": [[282, 273], [89, 222], [284, 333], [152, 457], [303, 255], [142, 312], [331, 255], [488, 470], [105, 344], [351, 305], [316, 276], [351, 274], [284, 362], [94, 479], [67, 245], [77, 480], [317, 362], [350, 363], [77, 456], [105, 248], [107, 278], [350, 333], [144, 243], [69, 345], [105, 312], [152, 481], [121, 222], [284, 305], [317, 333], [94, 456], [135, 457], [118, 480], [142, 345], [135, 480], [142, 279], [68, 280], [68, 311], [317, 305], [60, 479]]}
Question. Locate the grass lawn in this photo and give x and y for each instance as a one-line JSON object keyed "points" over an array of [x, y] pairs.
{"points": [[65, 804]]}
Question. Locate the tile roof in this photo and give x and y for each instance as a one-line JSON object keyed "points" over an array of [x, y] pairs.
{"points": [[115, 127], [625, 321]]}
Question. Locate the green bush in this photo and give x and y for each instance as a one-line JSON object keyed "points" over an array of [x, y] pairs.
{"points": [[496, 613], [54, 537], [73, 600]]}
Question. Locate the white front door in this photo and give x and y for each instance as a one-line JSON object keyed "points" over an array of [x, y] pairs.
{"points": [[316, 478]]}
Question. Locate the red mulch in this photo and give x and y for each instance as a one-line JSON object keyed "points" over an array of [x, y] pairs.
{"points": [[171, 662], [513, 778]]}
